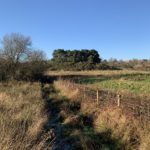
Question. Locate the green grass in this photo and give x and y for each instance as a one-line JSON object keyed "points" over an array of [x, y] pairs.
{"points": [[138, 83]]}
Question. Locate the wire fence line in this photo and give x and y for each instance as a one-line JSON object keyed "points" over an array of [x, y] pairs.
{"points": [[138, 106]]}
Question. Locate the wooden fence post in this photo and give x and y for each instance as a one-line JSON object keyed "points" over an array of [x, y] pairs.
{"points": [[97, 97], [84, 91], [118, 100], [140, 113], [148, 111]]}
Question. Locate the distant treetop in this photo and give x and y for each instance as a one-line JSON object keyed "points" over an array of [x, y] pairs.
{"points": [[76, 56]]}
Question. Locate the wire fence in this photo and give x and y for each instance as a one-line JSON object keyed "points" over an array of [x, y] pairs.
{"points": [[138, 106]]}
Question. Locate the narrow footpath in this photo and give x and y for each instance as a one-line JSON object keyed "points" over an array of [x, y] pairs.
{"points": [[70, 128]]}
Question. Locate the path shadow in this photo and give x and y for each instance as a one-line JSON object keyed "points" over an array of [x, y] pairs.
{"points": [[72, 129]]}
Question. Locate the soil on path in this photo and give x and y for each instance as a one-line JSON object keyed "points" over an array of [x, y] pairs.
{"points": [[70, 128]]}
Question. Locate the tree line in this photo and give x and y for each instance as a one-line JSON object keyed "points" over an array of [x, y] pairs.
{"points": [[85, 59], [132, 64], [18, 60]]}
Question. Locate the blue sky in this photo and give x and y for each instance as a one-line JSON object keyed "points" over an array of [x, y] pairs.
{"points": [[116, 28]]}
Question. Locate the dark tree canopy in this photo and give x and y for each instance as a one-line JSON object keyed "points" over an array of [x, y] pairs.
{"points": [[83, 59], [76, 56]]}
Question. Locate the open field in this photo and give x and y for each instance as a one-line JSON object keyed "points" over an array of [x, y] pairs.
{"points": [[134, 83], [35, 115], [137, 82]]}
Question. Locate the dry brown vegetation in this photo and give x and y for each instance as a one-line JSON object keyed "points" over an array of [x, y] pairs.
{"points": [[21, 116], [28, 111], [110, 123], [94, 72]]}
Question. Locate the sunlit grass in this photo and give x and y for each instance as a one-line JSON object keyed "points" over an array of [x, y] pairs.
{"points": [[21, 115], [111, 127], [95, 72], [135, 83], [119, 85]]}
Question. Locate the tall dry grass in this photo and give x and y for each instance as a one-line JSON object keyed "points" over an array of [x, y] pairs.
{"points": [[129, 132], [21, 116], [94, 72], [66, 89]]}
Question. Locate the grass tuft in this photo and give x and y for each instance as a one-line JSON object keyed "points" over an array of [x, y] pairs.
{"points": [[21, 116]]}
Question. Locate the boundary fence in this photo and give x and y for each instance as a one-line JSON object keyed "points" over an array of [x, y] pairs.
{"points": [[138, 106]]}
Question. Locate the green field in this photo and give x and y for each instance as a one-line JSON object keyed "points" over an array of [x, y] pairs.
{"points": [[138, 83]]}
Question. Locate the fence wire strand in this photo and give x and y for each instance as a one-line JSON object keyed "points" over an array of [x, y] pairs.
{"points": [[133, 105]]}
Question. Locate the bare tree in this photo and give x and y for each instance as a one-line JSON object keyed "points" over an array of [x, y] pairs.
{"points": [[18, 60], [36, 56], [15, 47]]}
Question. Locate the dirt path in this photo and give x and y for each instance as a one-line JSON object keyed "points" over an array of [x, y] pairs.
{"points": [[71, 129]]}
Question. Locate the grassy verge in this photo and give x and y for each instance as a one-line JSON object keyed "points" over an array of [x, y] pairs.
{"points": [[21, 116], [105, 128]]}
